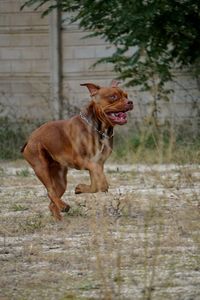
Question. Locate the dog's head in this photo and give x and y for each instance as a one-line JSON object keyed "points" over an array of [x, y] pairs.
{"points": [[109, 104]]}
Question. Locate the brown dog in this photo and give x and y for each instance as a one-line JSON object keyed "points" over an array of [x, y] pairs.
{"points": [[83, 142]]}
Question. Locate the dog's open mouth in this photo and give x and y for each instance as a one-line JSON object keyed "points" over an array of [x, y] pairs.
{"points": [[119, 118]]}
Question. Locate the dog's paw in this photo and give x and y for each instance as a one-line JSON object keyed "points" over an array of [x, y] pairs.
{"points": [[65, 208], [82, 188], [55, 212], [104, 187]]}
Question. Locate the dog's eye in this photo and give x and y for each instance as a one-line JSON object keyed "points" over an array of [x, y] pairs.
{"points": [[113, 97]]}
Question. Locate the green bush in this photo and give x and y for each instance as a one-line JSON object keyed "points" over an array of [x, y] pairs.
{"points": [[141, 146], [150, 146], [12, 137]]}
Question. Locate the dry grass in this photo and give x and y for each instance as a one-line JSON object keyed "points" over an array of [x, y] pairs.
{"points": [[138, 241]]}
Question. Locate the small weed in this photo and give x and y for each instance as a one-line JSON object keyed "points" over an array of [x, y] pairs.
{"points": [[23, 173], [118, 279], [74, 297], [1, 171], [75, 212], [110, 171], [69, 297], [18, 207], [89, 286], [32, 224]]}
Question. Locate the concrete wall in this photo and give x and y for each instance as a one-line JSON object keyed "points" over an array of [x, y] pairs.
{"points": [[24, 62], [33, 60]]}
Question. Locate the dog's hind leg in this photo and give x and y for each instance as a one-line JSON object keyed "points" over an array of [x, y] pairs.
{"points": [[58, 176], [49, 173]]}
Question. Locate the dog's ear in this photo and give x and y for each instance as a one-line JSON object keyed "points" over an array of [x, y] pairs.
{"points": [[114, 83], [93, 88]]}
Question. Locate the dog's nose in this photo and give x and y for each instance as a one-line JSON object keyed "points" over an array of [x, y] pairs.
{"points": [[130, 105]]}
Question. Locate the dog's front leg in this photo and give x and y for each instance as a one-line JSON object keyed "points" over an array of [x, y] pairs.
{"points": [[98, 180]]}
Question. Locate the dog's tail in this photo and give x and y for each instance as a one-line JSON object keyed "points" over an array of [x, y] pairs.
{"points": [[22, 149]]}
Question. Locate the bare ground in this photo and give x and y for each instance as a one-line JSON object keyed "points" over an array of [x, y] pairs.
{"points": [[141, 240]]}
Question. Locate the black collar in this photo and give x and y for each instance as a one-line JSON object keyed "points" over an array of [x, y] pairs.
{"points": [[95, 127]]}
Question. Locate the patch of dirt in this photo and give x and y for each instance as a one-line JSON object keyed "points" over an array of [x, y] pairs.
{"points": [[138, 241]]}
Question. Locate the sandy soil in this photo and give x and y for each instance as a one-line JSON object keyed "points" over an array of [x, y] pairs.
{"points": [[141, 240]]}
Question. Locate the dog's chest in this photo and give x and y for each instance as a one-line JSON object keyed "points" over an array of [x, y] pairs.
{"points": [[100, 151]]}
